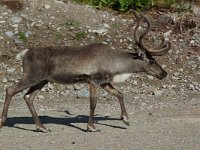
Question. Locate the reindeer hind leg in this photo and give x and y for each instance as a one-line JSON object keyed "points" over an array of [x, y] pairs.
{"points": [[23, 84]]}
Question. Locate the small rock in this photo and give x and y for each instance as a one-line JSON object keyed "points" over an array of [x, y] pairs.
{"points": [[11, 70], [164, 86], [174, 78], [17, 40], [191, 87], [4, 13], [16, 19], [107, 114], [87, 26], [106, 25], [4, 80], [130, 47], [40, 96], [113, 19], [15, 25], [83, 94], [92, 37], [181, 69], [198, 58], [124, 20], [144, 104], [76, 87], [192, 42], [101, 31], [129, 39], [50, 86], [47, 6], [104, 15], [2, 21], [150, 77], [197, 87], [168, 33], [32, 24], [108, 40], [43, 89], [70, 87], [173, 86], [63, 93], [181, 40], [41, 109], [9, 34], [27, 34], [176, 74], [158, 93], [135, 82]]}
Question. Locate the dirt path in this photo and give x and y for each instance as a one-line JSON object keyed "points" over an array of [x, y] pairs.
{"points": [[150, 129]]}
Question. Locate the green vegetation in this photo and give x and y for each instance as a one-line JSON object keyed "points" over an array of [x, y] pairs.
{"points": [[70, 23], [58, 36], [125, 5], [184, 7], [116, 26], [70, 28], [80, 35], [22, 36], [168, 3], [119, 5]]}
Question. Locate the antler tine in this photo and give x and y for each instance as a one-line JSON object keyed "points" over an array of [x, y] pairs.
{"points": [[139, 35], [163, 50], [139, 22], [163, 47], [135, 13], [145, 32]]}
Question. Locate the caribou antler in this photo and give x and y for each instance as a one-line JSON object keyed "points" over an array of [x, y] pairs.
{"points": [[163, 47]]}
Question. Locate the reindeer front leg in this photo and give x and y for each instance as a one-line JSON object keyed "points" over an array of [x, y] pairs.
{"points": [[110, 89], [93, 101]]}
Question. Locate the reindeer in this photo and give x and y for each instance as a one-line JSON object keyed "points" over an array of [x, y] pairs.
{"points": [[95, 64]]}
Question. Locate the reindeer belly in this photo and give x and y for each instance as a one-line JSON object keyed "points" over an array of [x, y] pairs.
{"points": [[67, 78], [119, 78], [98, 78]]}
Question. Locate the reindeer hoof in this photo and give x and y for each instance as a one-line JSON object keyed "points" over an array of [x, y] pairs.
{"points": [[125, 120], [42, 129], [1, 122], [92, 129]]}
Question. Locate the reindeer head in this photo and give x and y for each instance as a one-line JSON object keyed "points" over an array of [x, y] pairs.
{"points": [[144, 54]]}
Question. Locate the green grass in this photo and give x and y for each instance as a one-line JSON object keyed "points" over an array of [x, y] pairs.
{"points": [[22, 36], [80, 35], [58, 36], [71, 23], [125, 5]]}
